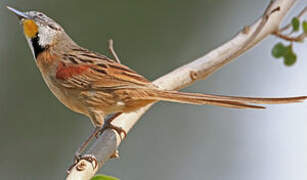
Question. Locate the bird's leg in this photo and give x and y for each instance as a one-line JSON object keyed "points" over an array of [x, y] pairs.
{"points": [[85, 143], [96, 132], [108, 125]]}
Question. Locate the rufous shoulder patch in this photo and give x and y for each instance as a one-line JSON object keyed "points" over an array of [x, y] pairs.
{"points": [[64, 72]]}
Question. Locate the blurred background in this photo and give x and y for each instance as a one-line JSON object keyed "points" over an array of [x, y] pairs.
{"points": [[39, 136]]}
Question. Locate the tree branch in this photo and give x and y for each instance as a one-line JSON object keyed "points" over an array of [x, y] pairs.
{"points": [[249, 36]]}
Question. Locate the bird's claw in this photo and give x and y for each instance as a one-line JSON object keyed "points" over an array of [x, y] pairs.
{"points": [[88, 157], [77, 157], [119, 130], [115, 155]]}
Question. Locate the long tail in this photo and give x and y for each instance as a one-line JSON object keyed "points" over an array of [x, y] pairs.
{"points": [[225, 101]]}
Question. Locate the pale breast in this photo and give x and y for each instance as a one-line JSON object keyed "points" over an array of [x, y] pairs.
{"points": [[69, 97], [47, 64]]}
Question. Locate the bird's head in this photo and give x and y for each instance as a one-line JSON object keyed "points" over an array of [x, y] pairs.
{"points": [[40, 31]]}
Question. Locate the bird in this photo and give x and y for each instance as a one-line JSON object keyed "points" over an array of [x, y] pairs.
{"points": [[96, 85]]}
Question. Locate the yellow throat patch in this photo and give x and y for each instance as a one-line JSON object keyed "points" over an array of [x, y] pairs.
{"points": [[30, 28]]}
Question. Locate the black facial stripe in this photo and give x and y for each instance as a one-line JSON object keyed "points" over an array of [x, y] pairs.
{"points": [[36, 46]]}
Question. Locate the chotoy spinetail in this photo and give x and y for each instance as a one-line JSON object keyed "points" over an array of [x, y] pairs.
{"points": [[96, 85]]}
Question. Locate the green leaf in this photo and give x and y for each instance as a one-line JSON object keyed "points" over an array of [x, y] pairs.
{"points": [[290, 59], [295, 24], [290, 56], [104, 177], [279, 50], [288, 50], [304, 24]]}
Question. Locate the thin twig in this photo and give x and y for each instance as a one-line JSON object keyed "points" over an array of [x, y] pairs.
{"points": [[112, 51], [298, 38], [301, 14], [288, 37]]}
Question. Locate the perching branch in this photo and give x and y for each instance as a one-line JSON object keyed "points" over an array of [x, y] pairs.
{"points": [[108, 142]]}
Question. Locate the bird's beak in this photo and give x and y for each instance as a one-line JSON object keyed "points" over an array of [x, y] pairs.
{"points": [[19, 14]]}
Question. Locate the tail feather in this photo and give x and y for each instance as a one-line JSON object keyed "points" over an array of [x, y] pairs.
{"points": [[225, 101]]}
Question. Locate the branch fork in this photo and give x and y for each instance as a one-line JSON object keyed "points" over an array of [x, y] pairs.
{"points": [[288, 37]]}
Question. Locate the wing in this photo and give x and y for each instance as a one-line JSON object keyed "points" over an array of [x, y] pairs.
{"points": [[83, 69]]}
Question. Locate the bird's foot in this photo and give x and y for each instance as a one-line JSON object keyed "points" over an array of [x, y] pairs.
{"points": [[77, 157], [88, 157], [115, 155], [119, 130]]}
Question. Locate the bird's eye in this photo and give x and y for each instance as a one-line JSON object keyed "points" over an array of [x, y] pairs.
{"points": [[52, 27], [40, 15]]}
